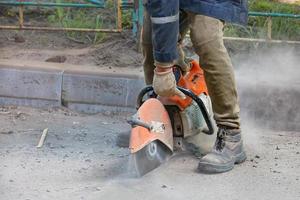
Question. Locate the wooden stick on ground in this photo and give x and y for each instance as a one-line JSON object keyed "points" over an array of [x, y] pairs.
{"points": [[42, 139]]}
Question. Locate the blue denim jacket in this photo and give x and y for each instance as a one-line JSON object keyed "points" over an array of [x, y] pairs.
{"points": [[235, 11], [165, 23]]}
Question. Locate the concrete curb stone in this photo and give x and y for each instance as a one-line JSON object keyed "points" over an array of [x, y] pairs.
{"points": [[94, 90], [89, 90], [20, 86]]}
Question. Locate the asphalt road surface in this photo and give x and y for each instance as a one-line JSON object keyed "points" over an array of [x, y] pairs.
{"points": [[80, 160]]}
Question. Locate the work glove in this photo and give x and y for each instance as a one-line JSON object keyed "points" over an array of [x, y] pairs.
{"points": [[164, 83]]}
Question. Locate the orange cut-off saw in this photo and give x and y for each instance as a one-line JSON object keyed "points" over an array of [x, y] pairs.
{"points": [[160, 121]]}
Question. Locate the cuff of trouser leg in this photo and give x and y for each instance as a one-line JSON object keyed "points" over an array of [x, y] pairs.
{"points": [[163, 65], [229, 124], [165, 58]]}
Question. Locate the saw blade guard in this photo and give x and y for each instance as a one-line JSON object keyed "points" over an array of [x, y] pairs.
{"points": [[150, 123]]}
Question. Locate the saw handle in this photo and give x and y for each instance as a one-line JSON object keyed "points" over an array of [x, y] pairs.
{"points": [[188, 93], [142, 93], [135, 121]]}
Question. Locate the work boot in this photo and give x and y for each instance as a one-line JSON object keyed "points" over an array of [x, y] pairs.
{"points": [[227, 151]]}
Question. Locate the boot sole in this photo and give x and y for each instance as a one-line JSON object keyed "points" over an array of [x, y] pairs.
{"points": [[209, 168]]}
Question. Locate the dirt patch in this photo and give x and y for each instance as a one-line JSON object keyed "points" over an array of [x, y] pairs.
{"points": [[116, 50], [119, 52]]}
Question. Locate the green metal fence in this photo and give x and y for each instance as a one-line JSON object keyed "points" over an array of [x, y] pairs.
{"points": [[21, 4], [269, 17], [92, 4], [137, 17]]}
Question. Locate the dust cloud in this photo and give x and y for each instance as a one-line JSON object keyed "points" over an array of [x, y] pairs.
{"points": [[268, 81], [269, 86]]}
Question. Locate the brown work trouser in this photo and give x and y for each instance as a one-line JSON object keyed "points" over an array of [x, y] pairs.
{"points": [[207, 37]]}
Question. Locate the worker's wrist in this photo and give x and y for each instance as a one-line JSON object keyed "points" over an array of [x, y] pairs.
{"points": [[163, 67]]}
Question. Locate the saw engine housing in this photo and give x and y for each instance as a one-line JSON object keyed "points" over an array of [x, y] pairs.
{"points": [[189, 121]]}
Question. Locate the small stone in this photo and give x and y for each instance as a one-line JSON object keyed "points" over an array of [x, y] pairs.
{"points": [[107, 113], [277, 148], [257, 156], [251, 160], [57, 59], [11, 180], [6, 132], [19, 39], [297, 152], [276, 158], [98, 188], [164, 186]]}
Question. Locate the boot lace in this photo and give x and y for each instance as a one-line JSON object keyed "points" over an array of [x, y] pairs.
{"points": [[220, 142]]}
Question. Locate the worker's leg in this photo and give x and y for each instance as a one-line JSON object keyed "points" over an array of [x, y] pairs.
{"points": [[207, 39], [147, 49]]}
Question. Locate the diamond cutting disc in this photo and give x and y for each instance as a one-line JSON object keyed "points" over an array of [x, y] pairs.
{"points": [[150, 157]]}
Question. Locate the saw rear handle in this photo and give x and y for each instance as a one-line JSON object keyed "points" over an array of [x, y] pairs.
{"points": [[188, 93]]}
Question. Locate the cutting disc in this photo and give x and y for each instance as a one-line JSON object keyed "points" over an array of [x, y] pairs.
{"points": [[150, 157]]}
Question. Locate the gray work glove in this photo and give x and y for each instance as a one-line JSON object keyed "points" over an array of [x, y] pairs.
{"points": [[164, 83]]}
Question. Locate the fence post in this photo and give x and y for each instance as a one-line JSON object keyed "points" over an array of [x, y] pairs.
{"points": [[269, 31], [119, 15], [138, 10], [21, 16]]}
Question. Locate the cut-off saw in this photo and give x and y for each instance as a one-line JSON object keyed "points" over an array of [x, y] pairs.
{"points": [[161, 122]]}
